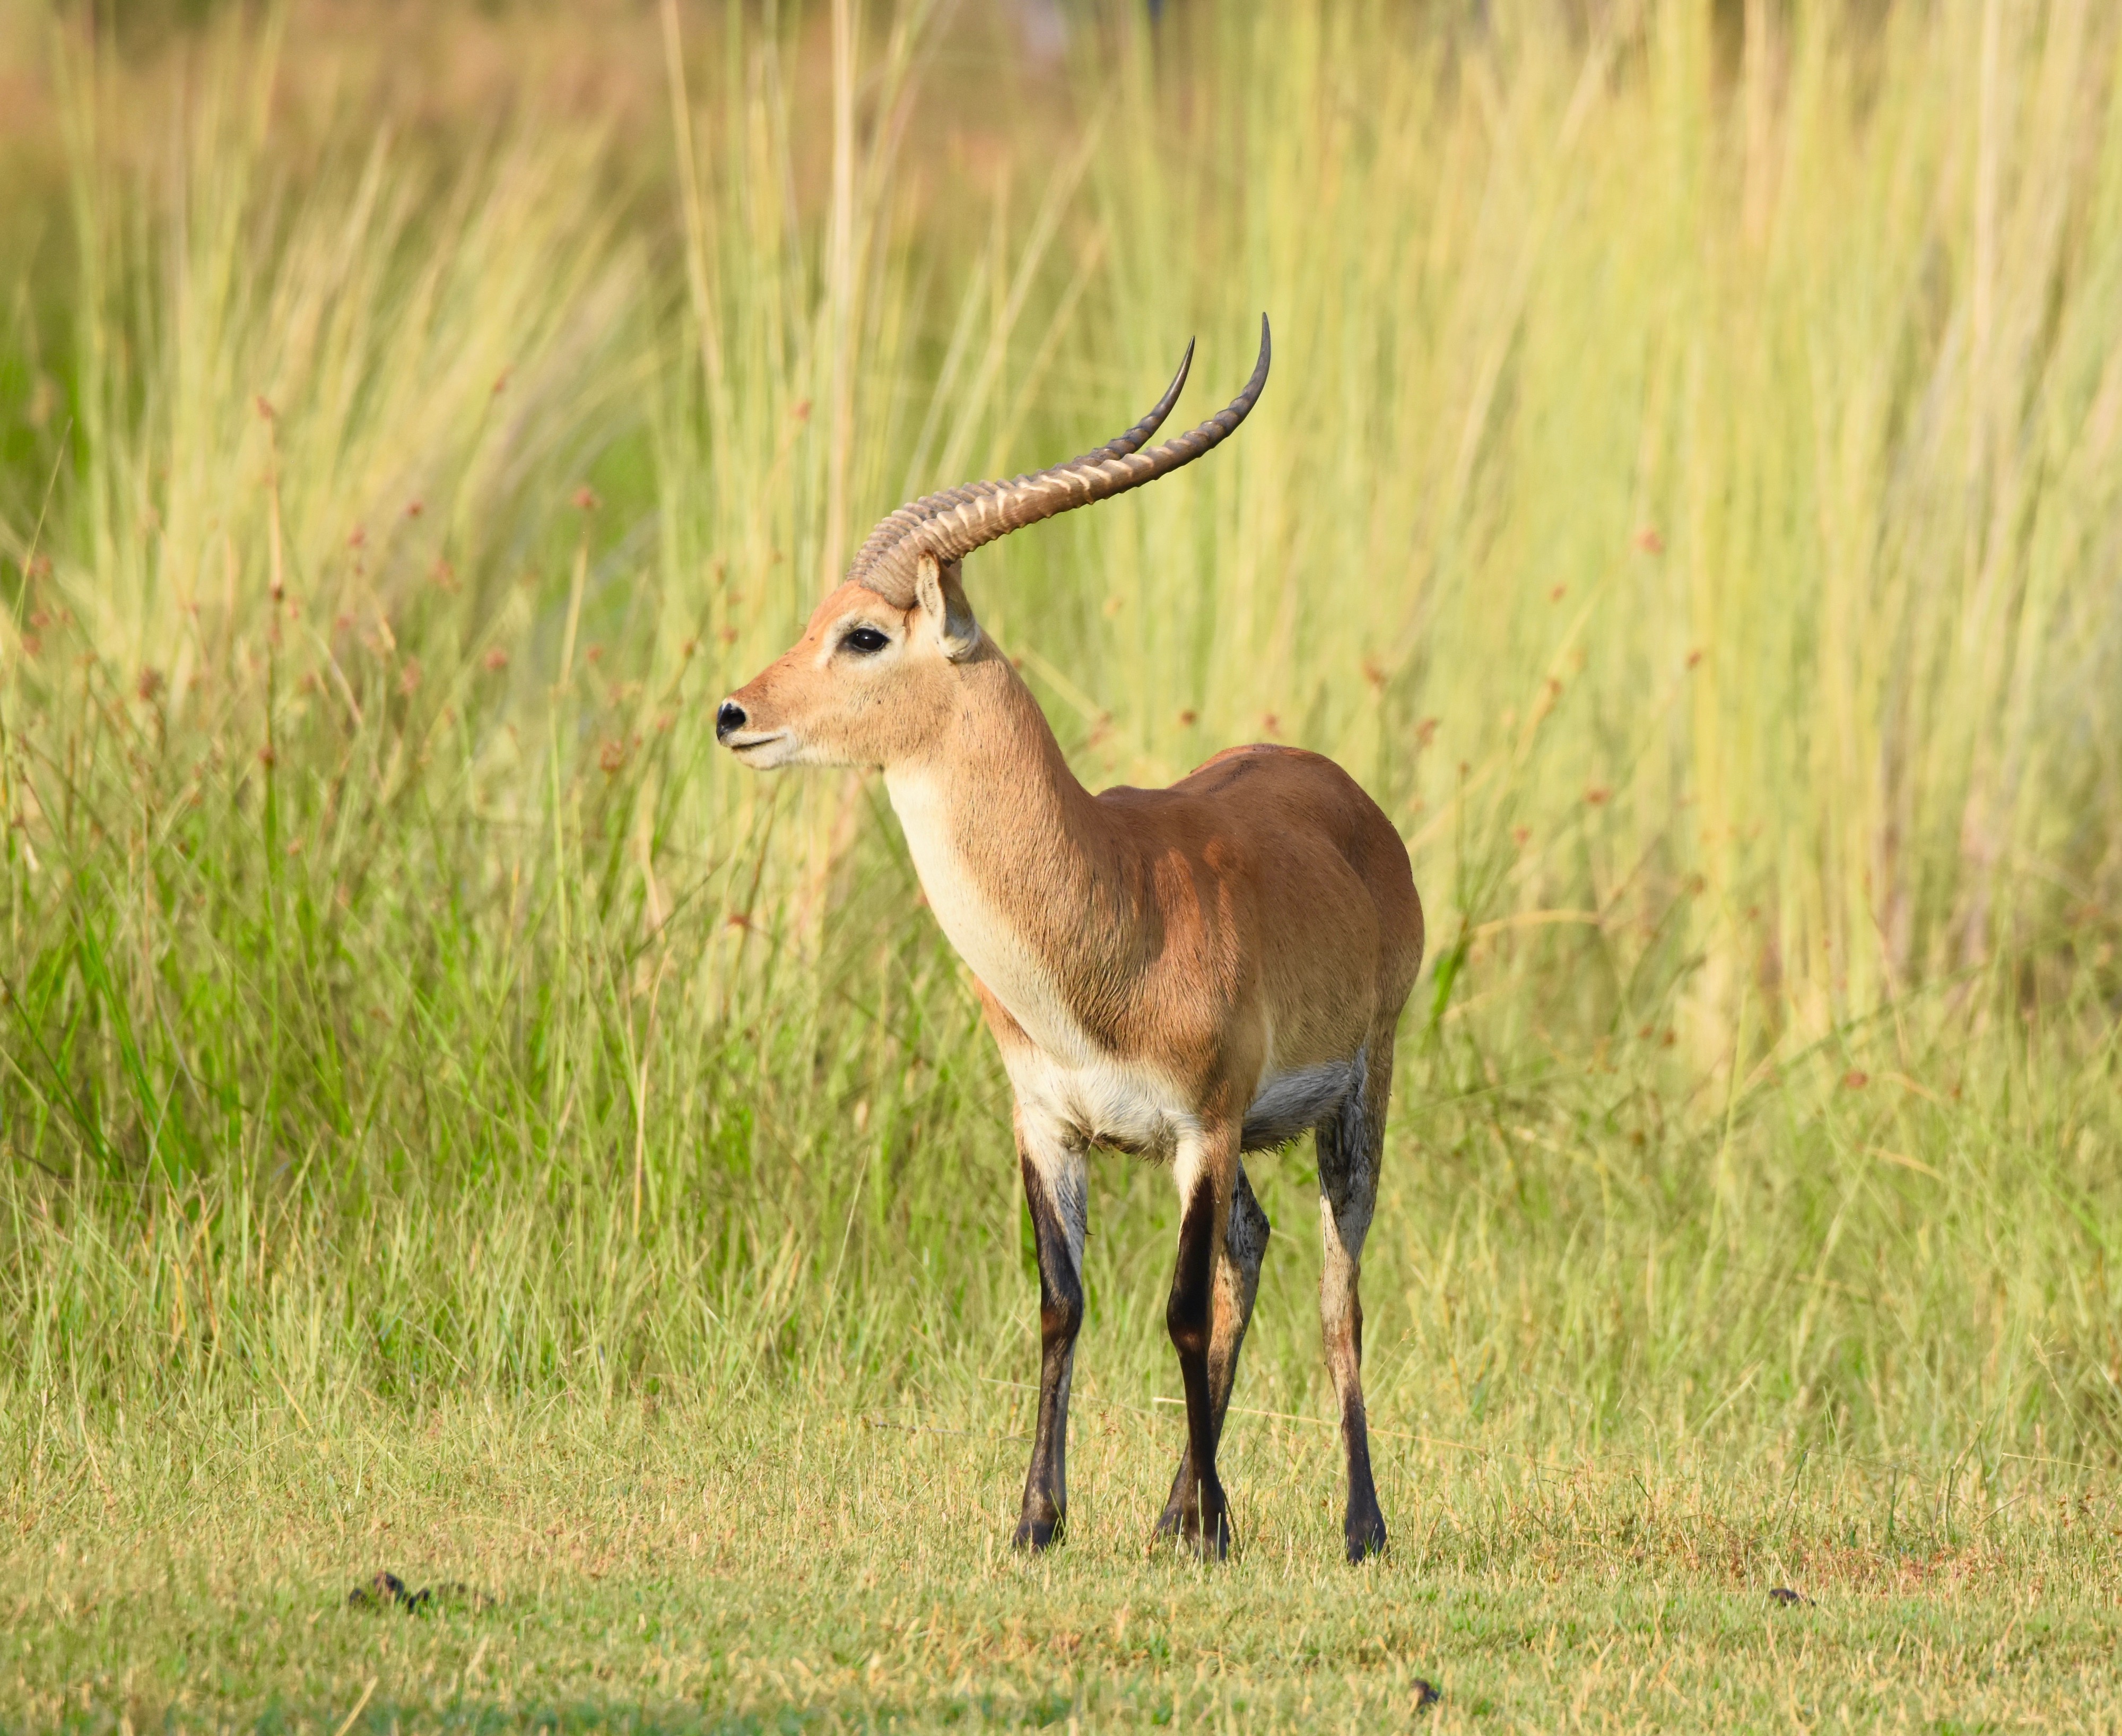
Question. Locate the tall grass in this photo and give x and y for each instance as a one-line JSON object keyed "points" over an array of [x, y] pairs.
{"points": [[1684, 497]]}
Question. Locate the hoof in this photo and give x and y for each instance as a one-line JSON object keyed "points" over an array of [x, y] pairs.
{"points": [[1188, 1532], [1366, 1536], [1036, 1536]]}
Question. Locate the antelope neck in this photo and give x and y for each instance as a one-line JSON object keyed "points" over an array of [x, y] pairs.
{"points": [[1013, 854]]}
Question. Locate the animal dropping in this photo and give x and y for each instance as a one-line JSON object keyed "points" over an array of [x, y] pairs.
{"points": [[387, 1591], [1189, 974]]}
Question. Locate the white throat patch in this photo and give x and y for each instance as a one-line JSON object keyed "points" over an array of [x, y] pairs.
{"points": [[982, 934]]}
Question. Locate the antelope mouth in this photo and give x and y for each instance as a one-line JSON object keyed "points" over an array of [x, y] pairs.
{"points": [[763, 750]]}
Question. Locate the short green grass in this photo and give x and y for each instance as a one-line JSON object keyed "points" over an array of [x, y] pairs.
{"points": [[811, 1565], [454, 1122]]}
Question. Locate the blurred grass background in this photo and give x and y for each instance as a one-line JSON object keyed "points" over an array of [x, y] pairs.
{"points": [[1686, 497]]}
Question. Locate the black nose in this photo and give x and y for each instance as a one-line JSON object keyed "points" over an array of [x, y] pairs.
{"points": [[730, 717]]}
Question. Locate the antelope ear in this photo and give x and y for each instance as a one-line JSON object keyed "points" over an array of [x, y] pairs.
{"points": [[943, 599]]}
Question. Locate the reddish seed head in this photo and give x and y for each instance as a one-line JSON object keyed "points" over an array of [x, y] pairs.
{"points": [[1856, 1080], [1188, 719], [1558, 593], [586, 500], [149, 684], [612, 756], [1649, 541], [408, 677], [1694, 658], [595, 654], [1597, 795], [497, 660], [264, 410], [355, 537], [1425, 731], [415, 509]]}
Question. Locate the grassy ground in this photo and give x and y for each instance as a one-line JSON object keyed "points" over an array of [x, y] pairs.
{"points": [[807, 1564], [453, 1121]]}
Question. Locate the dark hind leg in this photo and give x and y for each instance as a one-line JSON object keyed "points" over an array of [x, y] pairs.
{"points": [[1054, 1188], [1237, 1282], [1349, 1145]]}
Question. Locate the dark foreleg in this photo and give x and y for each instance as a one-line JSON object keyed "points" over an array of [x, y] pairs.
{"points": [[1206, 1168], [1054, 1188], [1237, 1283]]}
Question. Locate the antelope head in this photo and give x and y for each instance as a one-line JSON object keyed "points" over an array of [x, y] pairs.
{"points": [[880, 669]]}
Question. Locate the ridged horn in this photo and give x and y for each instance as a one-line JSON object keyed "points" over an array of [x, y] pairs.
{"points": [[951, 524]]}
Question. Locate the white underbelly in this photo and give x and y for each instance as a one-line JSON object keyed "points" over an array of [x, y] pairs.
{"points": [[1107, 1102], [1102, 1101]]}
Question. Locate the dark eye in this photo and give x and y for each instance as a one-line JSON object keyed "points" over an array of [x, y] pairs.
{"points": [[864, 641]]}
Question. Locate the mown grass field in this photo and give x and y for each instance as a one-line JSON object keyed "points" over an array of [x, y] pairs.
{"points": [[454, 1122], [778, 1566]]}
